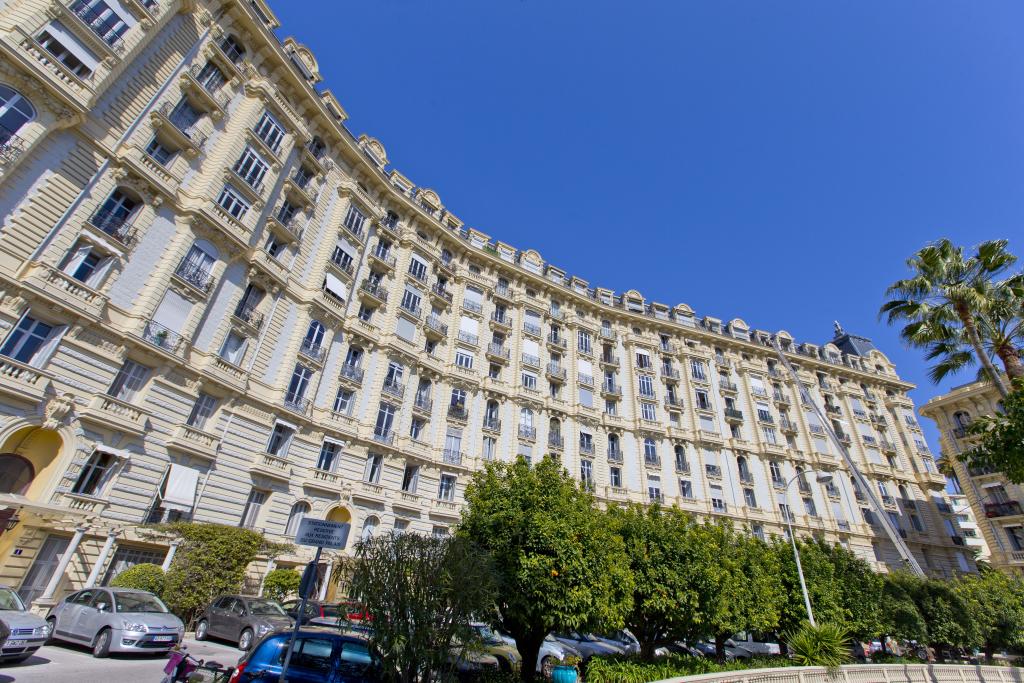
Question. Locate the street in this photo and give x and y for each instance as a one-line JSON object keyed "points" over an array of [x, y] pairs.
{"points": [[64, 662]]}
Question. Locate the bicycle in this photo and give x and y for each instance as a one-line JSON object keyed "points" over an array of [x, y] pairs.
{"points": [[184, 668]]}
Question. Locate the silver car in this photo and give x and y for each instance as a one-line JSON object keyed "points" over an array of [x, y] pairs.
{"points": [[28, 631], [115, 620]]}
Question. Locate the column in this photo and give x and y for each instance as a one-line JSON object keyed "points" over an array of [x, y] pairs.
{"points": [[170, 555], [327, 579], [101, 560], [271, 566], [62, 566]]}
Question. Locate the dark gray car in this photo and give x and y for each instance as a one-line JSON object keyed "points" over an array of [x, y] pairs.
{"points": [[241, 619]]}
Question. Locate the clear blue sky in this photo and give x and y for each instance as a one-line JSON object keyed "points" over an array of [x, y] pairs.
{"points": [[774, 161]]}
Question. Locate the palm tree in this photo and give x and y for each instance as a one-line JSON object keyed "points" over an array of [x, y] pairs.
{"points": [[945, 295]]}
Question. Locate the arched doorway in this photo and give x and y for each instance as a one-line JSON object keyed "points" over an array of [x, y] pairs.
{"points": [[33, 452], [335, 586], [16, 473]]}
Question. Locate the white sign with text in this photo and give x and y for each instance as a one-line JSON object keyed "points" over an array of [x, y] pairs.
{"points": [[323, 534]]}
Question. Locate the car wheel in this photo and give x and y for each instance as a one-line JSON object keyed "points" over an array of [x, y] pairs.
{"points": [[52, 638], [546, 666], [201, 629], [245, 640], [101, 646]]}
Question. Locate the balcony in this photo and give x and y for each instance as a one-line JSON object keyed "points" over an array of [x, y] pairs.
{"points": [[746, 477], [458, 412], [385, 437], [585, 380], [815, 428], [531, 361], [669, 374], [205, 90], [527, 432], [373, 292], [311, 350], [249, 316], [324, 480], [383, 257], [70, 292], [468, 338], [23, 381], [555, 372], [673, 403], [271, 465], [393, 387], [435, 328], [727, 387], [778, 483], [112, 412], [299, 186], [502, 291], [297, 404], [472, 307], [908, 504], [352, 374], [652, 460], [422, 405], [1004, 509], [888, 501], [557, 342], [440, 292], [195, 276], [451, 457], [531, 329], [878, 419], [586, 449], [11, 147], [614, 455], [833, 409], [492, 424], [786, 425], [99, 23], [343, 265], [713, 471], [195, 442], [161, 337], [180, 128], [843, 525], [733, 415], [888, 446], [611, 390], [781, 398], [556, 442], [388, 226], [498, 353], [410, 308], [115, 225], [501, 320]]}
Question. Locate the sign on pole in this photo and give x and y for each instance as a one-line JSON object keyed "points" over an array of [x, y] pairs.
{"points": [[322, 534]]}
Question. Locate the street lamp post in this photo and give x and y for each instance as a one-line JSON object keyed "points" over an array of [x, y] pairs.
{"points": [[823, 478]]}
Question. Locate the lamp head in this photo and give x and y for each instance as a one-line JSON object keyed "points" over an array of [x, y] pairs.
{"points": [[824, 477]]}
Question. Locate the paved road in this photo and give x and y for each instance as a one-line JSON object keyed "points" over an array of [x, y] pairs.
{"points": [[62, 663]]}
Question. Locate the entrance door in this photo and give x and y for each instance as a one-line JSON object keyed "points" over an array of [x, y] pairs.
{"points": [[43, 567]]}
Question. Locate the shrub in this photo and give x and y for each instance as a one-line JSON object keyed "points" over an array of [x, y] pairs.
{"points": [[281, 583], [821, 645], [145, 576], [619, 669]]}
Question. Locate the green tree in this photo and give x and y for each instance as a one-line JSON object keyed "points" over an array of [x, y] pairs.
{"points": [[559, 566], [1000, 445], [745, 591], [422, 593], [901, 619], [947, 292], [945, 613], [995, 603], [144, 576], [668, 556], [280, 583], [211, 560]]}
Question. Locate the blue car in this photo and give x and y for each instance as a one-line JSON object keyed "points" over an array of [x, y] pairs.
{"points": [[320, 656]]}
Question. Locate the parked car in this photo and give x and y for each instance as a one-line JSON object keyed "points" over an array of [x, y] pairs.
{"points": [[759, 644], [320, 656], [623, 639], [587, 644], [314, 609], [115, 620], [241, 619], [552, 652], [732, 652], [506, 654], [25, 632]]}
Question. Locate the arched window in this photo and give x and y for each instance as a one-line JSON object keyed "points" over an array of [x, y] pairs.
{"points": [[16, 473], [492, 410], [233, 49], [613, 446], [314, 335], [526, 418], [369, 526], [744, 469], [555, 427], [681, 464], [298, 511], [116, 213], [650, 449], [195, 268], [15, 112]]}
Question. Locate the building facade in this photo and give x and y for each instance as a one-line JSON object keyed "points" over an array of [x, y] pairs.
{"points": [[995, 502], [219, 305]]}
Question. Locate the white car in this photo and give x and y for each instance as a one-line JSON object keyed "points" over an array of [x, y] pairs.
{"points": [[759, 644], [28, 631], [624, 639]]}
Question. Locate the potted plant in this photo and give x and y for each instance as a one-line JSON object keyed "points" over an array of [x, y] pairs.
{"points": [[566, 671]]}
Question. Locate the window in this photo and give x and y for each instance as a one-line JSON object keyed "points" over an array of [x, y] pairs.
{"points": [[770, 436], [130, 379], [101, 18], [158, 152], [698, 370], [202, 409], [273, 246], [15, 112], [643, 360], [646, 385], [583, 341], [529, 380], [647, 411], [32, 341], [126, 556], [365, 313], [464, 359], [458, 399], [232, 202], [446, 488], [1015, 534], [681, 464], [702, 400], [328, 456], [251, 513], [654, 488], [369, 526], [650, 451], [416, 428], [615, 477], [385, 418], [56, 40], [410, 478], [354, 220], [417, 268], [94, 474], [233, 349], [251, 168], [411, 300], [717, 499], [296, 393], [233, 49], [809, 507], [489, 448], [280, 439], [763, 413], [787, 514], [269, 131], [685, 488], [374, 466], [195, 268], [295, 515]]}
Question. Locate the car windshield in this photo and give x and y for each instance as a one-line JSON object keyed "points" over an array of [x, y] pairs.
{"points": [[9, 600], [139, 602], [487, 635], [265, 608]]}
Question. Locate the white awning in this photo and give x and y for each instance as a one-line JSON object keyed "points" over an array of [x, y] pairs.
{"points": [[180, 488], [116, 452], [335, 286], [72, 44]]}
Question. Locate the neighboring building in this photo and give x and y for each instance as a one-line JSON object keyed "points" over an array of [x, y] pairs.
{"points": [[974, 540], [217, 304], [997, 504]]}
